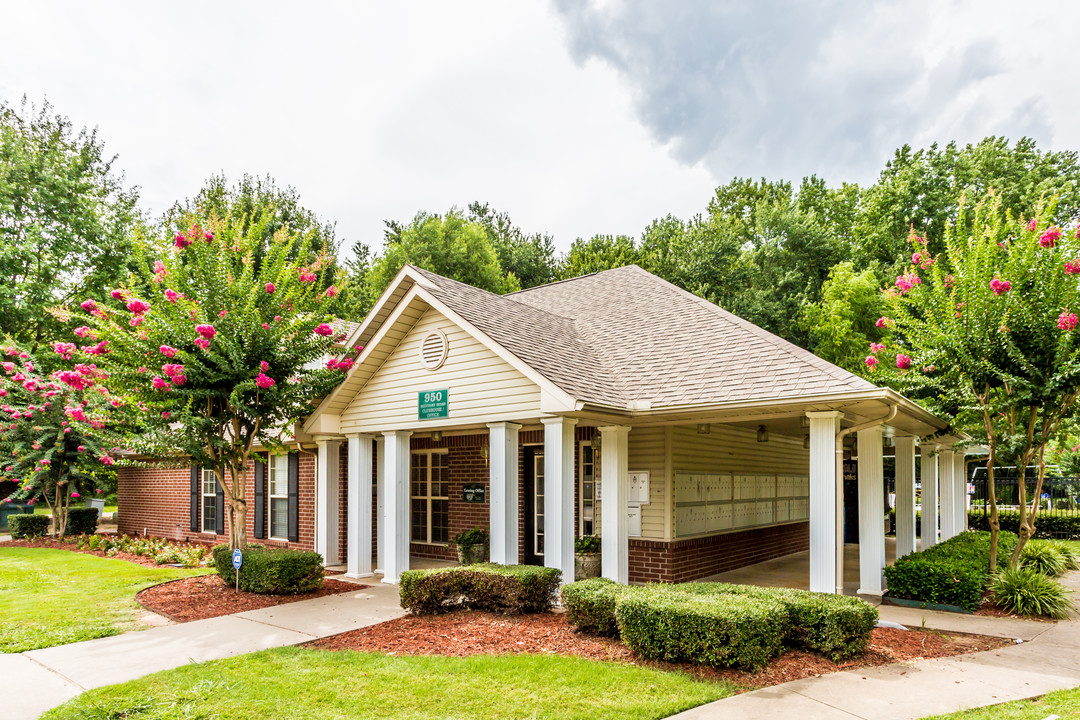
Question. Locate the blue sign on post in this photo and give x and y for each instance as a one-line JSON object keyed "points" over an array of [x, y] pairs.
{"points": [[237, 558]]}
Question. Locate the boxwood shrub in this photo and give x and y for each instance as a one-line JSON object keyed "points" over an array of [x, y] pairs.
{"points": [[271, 571], [28, 526], [590, 604], [82, 521], [485, 586], [955, 572], [661, 623], [1047, 525]]}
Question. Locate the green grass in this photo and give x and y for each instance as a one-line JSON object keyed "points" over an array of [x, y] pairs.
{"points": [[1065, 703], [295, 684], [43, 509], [55, 597]]}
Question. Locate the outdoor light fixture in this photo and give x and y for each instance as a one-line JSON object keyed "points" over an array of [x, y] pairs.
{"points": [[436, 436], [762, 434], [484, 453], [804, 421], [703, 428], [806, 442]]}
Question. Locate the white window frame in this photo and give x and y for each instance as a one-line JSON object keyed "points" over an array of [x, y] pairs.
{"points": [[207, 476], [282, 460], [581, 490], [428, 498]]}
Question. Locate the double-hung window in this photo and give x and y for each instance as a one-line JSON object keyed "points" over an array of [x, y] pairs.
{"points": [[589, 512], [209, 501], [429, 493], [278, 468]]}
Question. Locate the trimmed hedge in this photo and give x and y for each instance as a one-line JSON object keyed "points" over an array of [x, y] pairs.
{"points": [[1047, 525], [82, 521], [659, 623], [271, 571], [28, 526], [955, 572], [590, 604], [507, 589]]}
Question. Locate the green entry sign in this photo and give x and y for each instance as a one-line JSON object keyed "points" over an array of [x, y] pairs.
{"points": [[434, 404]]}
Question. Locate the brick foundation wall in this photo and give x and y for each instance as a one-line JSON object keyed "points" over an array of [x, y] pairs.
{"points": [[695, 558]]}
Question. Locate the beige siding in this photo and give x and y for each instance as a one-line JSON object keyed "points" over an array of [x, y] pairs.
{"points": [[645, 451], [483, 387]]}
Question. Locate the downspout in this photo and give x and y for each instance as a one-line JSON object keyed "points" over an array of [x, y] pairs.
{"points": [[840, 488]]}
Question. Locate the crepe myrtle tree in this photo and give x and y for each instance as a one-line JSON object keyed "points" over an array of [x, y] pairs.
{"points": [[986, 334], [51, 430], [219, 350]]}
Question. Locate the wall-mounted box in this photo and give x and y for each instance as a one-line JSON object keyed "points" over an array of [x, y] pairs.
{"points": [[639, 487]]}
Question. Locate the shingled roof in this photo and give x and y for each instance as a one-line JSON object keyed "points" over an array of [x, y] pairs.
{"points": [[625, 336]]}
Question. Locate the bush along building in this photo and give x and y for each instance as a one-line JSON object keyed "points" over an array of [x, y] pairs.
{"points": [[613, 404]]}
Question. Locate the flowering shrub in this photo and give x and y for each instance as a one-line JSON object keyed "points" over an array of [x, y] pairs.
{"points": [[163, 552]]}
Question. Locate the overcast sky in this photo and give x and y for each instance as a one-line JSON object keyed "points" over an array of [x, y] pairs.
{"points": [[576, 118]]}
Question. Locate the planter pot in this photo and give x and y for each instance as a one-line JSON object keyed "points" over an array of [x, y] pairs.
{"points": [[586, 565], [473, 555]]}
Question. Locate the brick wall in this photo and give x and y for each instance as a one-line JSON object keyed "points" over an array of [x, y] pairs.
{"points": [[695, 558], [466, 466]]}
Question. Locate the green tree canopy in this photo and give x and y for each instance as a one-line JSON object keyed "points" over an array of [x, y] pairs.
{"points": [[598, 253], [529, 258], [65, 220], [842, 325]]}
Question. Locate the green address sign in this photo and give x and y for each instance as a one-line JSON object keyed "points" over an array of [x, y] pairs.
{"points": [[433, 404]]}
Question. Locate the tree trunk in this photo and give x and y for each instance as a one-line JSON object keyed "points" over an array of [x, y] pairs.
{"points": [[995, 520], [1027, 520], [234, 493]]}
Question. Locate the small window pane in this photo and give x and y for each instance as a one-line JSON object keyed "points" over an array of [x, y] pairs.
{"points": [[440, 520], [279, 518]]}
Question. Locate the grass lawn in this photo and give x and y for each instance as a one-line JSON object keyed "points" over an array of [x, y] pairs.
{"points": [[43, 509], [294, 683], [1064, 703], [54, 597]]}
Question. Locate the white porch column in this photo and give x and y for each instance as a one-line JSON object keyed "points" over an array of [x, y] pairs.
{"points": [[960, 487], [905, 495], [871, 513], [380, 502], [615, 492], [503, 493], [825, 484], [946, 493], [559, 495], [928, 466], [359, 506], [395, 477], [327, 500]]}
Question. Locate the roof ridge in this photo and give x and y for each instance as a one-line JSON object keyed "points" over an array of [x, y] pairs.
{"points": [[572, 279]]}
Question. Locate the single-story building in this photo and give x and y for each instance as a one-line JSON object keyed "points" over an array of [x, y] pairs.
{"points": [[613, 404]]}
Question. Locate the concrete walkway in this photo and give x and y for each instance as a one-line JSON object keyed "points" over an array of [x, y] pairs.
{"points": [[43, 679], [1048, 659]]}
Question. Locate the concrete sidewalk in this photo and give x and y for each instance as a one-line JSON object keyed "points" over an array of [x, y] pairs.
{"points": [[1048, 658], [48, 677]]}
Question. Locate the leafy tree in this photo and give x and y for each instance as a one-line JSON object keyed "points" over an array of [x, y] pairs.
{"points": [[529, 258], [985, 333], [842, 325], [65, 219], [598, 253], [55, 422], [447, 244], [219, 352]]}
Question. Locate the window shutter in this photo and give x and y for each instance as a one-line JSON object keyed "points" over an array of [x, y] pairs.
{"points": [[219, 525], [294, 497], [194, 498], [260, 499]]}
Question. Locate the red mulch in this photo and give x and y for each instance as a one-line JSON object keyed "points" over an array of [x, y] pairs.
{"points": [[475, 633], [206, 596], [58, 545]]}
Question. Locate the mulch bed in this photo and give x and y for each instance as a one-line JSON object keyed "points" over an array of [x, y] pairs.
{"points": [[206, 596], [465, 633], [57, 545]]}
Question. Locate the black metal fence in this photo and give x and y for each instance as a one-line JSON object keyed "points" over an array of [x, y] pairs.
{"points": [[1060, 494]]}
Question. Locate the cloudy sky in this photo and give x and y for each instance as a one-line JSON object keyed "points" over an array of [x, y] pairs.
{"points": [[575, 117]]}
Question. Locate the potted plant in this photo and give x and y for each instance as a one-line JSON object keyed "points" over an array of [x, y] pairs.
{"points": [[586, 557], [472, 546]]}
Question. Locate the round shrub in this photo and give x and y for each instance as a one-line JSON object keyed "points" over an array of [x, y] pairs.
{"points": [[1025, 591], [271, 571], [590, 604], [1043, 558]]}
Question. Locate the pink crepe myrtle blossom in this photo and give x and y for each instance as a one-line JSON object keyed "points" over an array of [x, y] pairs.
{"points": [[102, 348], [181, 241], [171, 295], [344, 364], [223, 313], [203, 343], [136, 321], [168, 351], [265, 381], [263, 365], [906, 282], [170, 369], [82, 331], [9, 367], [166, 414], [138, 306], [1072, 267], [277, 318], [159, 271], [324, 329], [884, 322], [208, 237], [64, 349], [1067, 321], [871, 361], [876, 347], [207, 331], [75, 495], [178, 380], [270, 288], [903, 362], [1032, 225], [1000, 287], [88, 305], [928, 369], [160, 383], [119, 294], [331, 291], [306, 275], [98, 491], [1049, 238], [46, 462], [106, 460], [266, 326]]}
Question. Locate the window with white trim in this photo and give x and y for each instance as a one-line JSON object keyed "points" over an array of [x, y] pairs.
{"points": [[589, 509], [209, 501], [278, 470], [429, 494]]}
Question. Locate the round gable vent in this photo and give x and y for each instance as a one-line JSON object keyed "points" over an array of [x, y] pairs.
{"points": [[433, 350]]}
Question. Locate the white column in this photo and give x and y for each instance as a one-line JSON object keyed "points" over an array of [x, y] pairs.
{"points": [[946, 492], [960, 487], [327, 500], [615, 493], [825, 479], [559, 495], [871, 513], [359, 506], [905, 495], [503, 493], [395, 476], [380, 502], [928, 465]]}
